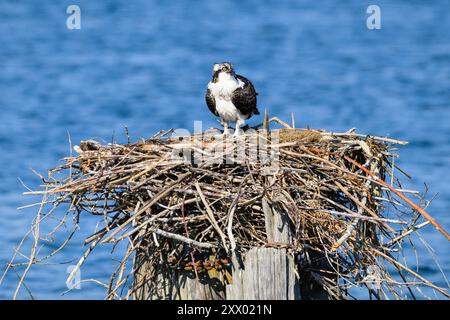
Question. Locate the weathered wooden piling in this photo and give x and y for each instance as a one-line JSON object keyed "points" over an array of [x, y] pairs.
{"points": [[267, 273]]}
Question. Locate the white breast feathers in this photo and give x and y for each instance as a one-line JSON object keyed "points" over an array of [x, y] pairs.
{"points": [[222, 90], [225, 86]]}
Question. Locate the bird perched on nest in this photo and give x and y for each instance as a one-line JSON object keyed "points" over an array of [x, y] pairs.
{"points": [[230, 96]]}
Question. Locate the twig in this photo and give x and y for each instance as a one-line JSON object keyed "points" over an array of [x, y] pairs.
{"points": [[36, 233], [211, 215], [183, 239]]}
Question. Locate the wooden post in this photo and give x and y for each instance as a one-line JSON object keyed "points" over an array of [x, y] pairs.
{"points": [[268, 273], [164, 284], [277, 225]]}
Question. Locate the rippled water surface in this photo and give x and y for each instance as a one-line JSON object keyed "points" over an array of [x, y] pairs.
{"points": [[145, 65]]}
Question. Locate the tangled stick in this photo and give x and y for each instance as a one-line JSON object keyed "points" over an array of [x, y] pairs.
{"points": [[176, 214]]}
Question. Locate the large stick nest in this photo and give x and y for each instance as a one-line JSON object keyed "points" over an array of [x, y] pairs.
{"points": [[175, 210]]}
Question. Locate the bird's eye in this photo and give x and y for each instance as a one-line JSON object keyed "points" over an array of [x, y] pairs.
{"points": [[224, 68]]}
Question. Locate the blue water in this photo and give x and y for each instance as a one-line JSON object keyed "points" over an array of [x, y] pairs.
{"points": [[145, 64]]}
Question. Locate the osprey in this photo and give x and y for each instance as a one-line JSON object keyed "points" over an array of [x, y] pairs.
{"points": [[230, 96]]}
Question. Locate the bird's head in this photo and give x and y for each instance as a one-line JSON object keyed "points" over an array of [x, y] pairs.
{"points": [[222, 71]]}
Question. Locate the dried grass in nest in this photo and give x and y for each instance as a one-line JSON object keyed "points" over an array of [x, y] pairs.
{"points": [[176, 214]]}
